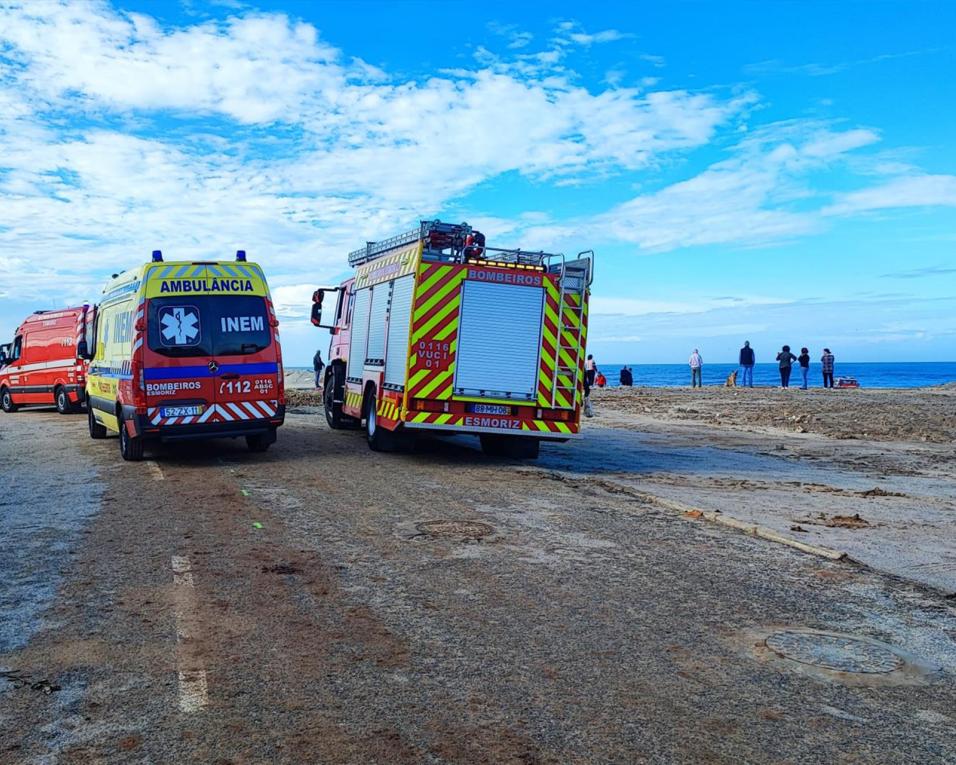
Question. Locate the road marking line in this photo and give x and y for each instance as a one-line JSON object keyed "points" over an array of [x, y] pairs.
{"points": [[156, 470], [193, 687]]}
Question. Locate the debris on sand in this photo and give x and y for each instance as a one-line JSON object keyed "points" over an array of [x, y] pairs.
{"points": [[847, 522], [798, 527], [876, 491]]}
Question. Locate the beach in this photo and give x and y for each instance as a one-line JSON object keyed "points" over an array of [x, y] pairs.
{"points": [[323, 602]]}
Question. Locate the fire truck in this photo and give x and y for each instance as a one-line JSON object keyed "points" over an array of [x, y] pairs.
{"points": [[43, 364], [436, 332]]}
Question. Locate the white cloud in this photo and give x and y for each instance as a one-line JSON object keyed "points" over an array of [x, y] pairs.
{"points": [[907, 191]]}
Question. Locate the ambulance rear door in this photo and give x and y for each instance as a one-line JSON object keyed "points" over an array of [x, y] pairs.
{"points": [[247, 386], [180, 371]]}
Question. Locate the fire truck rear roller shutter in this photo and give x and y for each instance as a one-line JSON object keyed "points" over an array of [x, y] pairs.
{"points": [[376, 325], [359, 338], [499, 342], [397, 353]]}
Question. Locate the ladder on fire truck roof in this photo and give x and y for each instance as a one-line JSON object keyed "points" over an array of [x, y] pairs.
{"points": [[575, 277], [372, 250]]}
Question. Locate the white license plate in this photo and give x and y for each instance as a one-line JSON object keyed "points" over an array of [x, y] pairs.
{"points": [[181, 411], [489, 409]]}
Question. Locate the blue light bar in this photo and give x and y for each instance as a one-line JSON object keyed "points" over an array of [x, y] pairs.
{"points": [[157, 256], [241, 256]]}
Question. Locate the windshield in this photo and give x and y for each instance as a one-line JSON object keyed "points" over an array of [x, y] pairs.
{"points": [[208, 325]]}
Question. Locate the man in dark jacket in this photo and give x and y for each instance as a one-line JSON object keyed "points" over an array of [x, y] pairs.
{"points": [[318, 365], [626, 377], [747, 359]]}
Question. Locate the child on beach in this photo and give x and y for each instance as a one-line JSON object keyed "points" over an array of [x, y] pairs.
{"points": [[804, 360]]}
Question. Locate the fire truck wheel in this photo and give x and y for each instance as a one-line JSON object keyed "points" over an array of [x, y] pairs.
{"points": [[63, 405], [96, 430], [524, 448], [6, 402], [131, 447], [379, 439], [333, 411], [510, 446]]}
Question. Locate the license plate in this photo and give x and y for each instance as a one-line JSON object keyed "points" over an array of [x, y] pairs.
{"points": [[488, 409], [181, 411]]}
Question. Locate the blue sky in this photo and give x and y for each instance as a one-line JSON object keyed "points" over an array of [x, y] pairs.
{"points": [[778, 172]]}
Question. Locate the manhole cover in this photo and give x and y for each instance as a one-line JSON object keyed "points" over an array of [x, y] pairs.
{"points": [[840, 653], [467, 529]]}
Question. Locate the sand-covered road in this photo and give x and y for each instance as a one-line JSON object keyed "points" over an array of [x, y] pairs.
{"points": [[322, 603]]}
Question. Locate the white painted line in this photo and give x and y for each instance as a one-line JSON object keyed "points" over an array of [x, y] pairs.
{"points": [[156, 470], [193, 687]]}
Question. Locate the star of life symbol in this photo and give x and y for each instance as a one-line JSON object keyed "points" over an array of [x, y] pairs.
{"points": [[179, 325]]}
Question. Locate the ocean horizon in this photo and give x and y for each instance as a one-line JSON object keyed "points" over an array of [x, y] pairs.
{"points": [[870, 374]]}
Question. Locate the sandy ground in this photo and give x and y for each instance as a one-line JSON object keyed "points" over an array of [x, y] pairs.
{"points": [[323, 603]]}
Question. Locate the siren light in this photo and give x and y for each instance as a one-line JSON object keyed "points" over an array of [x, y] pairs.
{"points": [[241, 256], [157, 256]]}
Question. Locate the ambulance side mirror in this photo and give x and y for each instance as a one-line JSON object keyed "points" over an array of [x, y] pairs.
{"points": [[83, 350]]}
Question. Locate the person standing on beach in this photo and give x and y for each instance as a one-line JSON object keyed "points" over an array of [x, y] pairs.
{"points": [[827, 360], [786, 360], [696, 369], [588, 412], [747, 359], [318, 365], [804, 360], [627, 379], [590, 370]]}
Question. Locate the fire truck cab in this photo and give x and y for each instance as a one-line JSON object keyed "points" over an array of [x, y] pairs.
{"points": [[43, 364], [438, 332]]}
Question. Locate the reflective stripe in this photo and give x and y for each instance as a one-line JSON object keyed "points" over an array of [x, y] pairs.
{"points": [[40, 365]]}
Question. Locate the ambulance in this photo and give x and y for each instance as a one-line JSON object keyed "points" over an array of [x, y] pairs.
{"points": [[185, 350], [438, 333], [43, 364]]}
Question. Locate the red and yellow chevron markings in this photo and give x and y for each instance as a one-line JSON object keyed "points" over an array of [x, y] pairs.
{"points": [[434, 335], [536, 426], [562, 344]]}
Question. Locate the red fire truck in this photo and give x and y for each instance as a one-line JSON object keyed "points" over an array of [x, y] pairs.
{"points": [[438, 332], [42, 365]]}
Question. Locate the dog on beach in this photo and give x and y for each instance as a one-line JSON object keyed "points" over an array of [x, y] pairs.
{"points": [[731, 381]]}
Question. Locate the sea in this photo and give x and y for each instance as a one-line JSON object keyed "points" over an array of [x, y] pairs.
{"points": [[875, 374], [894, 374]]}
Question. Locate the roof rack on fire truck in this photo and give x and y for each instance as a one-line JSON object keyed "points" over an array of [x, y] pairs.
{"points": [[448, 234]]}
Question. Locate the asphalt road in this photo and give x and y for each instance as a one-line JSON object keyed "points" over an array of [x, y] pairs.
{"points": [[322, 603]]}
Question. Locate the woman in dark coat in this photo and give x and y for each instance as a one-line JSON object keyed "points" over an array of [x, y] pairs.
{"points": [[786, 360]]}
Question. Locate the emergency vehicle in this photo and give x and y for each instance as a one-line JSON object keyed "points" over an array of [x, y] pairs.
{"points": [[438, 333], [43, 364], [186, 350]]}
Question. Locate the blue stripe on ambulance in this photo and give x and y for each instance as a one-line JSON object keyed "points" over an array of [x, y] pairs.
{"points": [[178, 373]]}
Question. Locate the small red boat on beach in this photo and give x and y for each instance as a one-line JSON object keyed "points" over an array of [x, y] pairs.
{"points": [[847, 382]]}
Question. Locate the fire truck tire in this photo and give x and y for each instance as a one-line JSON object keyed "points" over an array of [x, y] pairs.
{"points": [[131, 447], [6, 401], [524, 448], [333, 411], [96, 430], [379, 439], [510, 446], [62, 398]]}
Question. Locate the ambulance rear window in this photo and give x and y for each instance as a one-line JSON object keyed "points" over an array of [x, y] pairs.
{"points": [[208, 325]]}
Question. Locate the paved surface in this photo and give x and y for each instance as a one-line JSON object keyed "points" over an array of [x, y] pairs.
{"points": [[216, 606]]}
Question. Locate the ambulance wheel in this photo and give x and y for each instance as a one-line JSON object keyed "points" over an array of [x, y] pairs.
{"points": [[6, 402], [96, 430], [379, 439], [260, 441], [63, 405], [131, 447]]}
